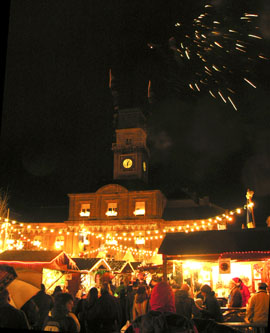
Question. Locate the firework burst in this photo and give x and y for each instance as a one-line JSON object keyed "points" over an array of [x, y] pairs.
{"points": [[221, 52]]}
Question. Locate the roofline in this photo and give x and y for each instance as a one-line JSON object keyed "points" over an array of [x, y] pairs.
{"points": [[217, 256], [38, 262], [101, 259]]}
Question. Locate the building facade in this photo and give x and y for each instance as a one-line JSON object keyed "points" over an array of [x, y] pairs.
{"points": [[124, 216]]}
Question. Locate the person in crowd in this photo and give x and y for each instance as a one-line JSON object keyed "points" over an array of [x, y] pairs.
{"points": [[199, 295], [244, 291], [258, 306], [91, 311], [86, 312], [140, 303], [79, 293], [162, 298], [162, 317], [108, 312], [235, 296], [154, 281], [112, 287], [212, 308], [10, 317], [61, 316], [175, 287], [56, 291], [122, 301], [65, 289], [184, 304], [148, 293], [199, 302], [32, 313], [120, 288], [44, 303], [129, 302]]}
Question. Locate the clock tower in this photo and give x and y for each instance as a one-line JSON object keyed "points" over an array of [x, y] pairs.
{"points": [[131, 154]]}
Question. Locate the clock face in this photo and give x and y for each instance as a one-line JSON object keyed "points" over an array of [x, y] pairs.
{"points": [[144, 166], [127, 163]]}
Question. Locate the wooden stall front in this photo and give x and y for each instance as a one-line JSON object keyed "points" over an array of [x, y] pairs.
{"points": [[215, 257], [90, 271]]}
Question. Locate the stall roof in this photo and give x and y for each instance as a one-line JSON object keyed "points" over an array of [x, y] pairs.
{"points": [[135, 264], [120, 266], [49, 259], [88, 264], [117, 265], [203, 243], [37, 256]]}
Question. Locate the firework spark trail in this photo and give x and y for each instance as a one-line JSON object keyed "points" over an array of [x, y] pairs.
{"points": [[219, 52]]}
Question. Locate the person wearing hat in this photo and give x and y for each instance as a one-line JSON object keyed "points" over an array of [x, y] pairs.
{"points": [[235, 296], [243, 289], [162, 317], [258, 306]]}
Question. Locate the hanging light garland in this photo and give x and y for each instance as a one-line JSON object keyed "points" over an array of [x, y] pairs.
{"points": [[123, 249], [124, 235]]}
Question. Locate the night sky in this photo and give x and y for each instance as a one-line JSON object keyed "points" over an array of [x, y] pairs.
{"points": [[57, 117]]}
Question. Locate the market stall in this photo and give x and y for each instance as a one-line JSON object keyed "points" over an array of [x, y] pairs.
{"points": [[215, 257], [91, 273], [122, 271], [36, 267]]}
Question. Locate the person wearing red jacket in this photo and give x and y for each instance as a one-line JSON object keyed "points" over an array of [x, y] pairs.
{"points": [[244, 291]]}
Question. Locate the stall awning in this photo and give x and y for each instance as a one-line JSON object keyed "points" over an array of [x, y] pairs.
{"points": [[212, 244]]}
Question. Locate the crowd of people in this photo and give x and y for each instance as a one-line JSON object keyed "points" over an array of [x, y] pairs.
{"points": [[136, 308]]}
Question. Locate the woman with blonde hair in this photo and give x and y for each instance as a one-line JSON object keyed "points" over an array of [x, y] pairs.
{"points": [[140, 303]]}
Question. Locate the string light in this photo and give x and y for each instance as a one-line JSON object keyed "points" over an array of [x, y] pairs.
{"points": [[127, 232]]}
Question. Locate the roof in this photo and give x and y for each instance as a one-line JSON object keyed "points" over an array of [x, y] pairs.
{"points": [[135, 264], [188, 209], [215, 242], [117, 265], [121, 266], [87, 263], [38, 259], [27, 256]]}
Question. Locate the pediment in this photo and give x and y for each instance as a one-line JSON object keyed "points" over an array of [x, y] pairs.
{"points": [[112, 188]]}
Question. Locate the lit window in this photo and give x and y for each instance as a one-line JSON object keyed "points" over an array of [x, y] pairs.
{"points": [[85, 210], [37, 241], [112, 209], [59, 242], [139, 240], [111, 241], [139, 208]]}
